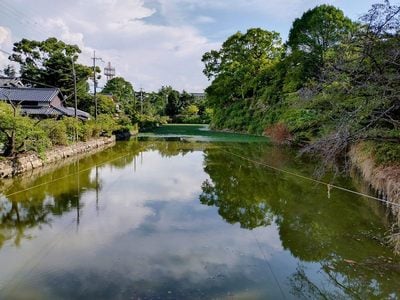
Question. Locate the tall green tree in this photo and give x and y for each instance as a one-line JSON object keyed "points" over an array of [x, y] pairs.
{"points": [[172, 103], [49, 62], [238, 70], [123, 92], [313, 35], [359, 100]]}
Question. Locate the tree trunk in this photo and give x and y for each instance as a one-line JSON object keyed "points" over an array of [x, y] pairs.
{"points": [[10, 145]]}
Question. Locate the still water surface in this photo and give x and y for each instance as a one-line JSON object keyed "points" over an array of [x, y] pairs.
{"points": [[181, 218]]}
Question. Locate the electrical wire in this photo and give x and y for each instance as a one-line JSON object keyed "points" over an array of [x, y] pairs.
{"points": [[47, 248], [66, 176], [20, 16], [270, 267], [328, 185]]}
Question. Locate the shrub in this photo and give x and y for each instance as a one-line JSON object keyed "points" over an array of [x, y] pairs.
{"points": [[28, 136], [279, 133], [106, 125], [56, 131], [73, 128]]}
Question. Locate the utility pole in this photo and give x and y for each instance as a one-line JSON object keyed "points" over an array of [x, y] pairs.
{"points": [[95, 82], [75, 96], [141, 101]]}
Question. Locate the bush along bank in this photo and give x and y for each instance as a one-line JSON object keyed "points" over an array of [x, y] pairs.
{"points": [[27, 143], [28, 161]]}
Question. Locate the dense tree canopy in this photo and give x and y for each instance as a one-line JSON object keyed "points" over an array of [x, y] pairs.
{"points": [[335, 83], [49, 63], [239, 69], [122, 91]]}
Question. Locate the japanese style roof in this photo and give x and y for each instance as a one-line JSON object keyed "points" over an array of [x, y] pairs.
{"points": [[29, 94], [43, 97], [79, 113], [55, 111], [48, 111]]}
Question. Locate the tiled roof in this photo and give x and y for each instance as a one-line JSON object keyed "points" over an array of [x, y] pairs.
{"points": [[43, 97], [29, 94], [48, 111], [55, 111], [80, 113]]}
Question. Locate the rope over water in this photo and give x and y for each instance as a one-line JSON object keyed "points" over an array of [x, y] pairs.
{"points": [[328, 185]]}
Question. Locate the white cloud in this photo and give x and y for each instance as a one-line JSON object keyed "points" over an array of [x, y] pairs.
{"points": [[148, 55], [204, 20], [5, 45], [151, 43]]}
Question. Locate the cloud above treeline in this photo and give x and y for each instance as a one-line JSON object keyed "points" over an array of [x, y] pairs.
{"points": [[150, 42]]}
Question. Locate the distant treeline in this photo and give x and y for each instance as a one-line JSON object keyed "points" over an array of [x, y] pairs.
{"points": [[120, 108]]}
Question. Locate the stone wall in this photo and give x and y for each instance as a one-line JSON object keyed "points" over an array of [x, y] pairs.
{"points": [[29, 161]]}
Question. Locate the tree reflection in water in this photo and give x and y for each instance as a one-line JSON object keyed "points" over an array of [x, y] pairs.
{"points": [[343, 235], [338, 243], [22, 211]]}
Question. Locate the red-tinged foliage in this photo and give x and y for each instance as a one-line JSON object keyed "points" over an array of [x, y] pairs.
{"points": [[279, 134]]}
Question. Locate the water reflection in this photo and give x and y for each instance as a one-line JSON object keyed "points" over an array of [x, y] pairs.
{"points": [[341, 234], [180, 220]]}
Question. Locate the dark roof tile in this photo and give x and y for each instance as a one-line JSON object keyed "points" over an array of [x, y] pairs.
{"points": [[29, 94]]}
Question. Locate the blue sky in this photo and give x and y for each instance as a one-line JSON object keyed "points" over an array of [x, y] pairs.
{"points": [[152, 42]]}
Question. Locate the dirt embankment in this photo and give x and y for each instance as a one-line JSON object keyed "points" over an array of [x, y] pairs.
{"points": [[385, 180], [30, 161]]}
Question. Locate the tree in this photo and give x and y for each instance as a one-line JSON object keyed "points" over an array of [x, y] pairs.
{"points": [[172, 104], [49, 63], [122, 91], [238, 71], [360, 98], [9, 71], [105, 105], [317, 31]]}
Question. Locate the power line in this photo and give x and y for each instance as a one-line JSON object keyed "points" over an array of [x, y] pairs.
{"points": [[329, 186], [18, 15], [66, 176], [270, 267], [95, 81]]}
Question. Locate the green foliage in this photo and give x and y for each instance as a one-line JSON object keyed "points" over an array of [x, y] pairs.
{"points": [[387, 153], [50, 62], [335, 83], [19, 133], [106, 124], [56, 131], [105, 105], [123, 94], [9, 71], [73, 128], [312, 39], [240, 70]]}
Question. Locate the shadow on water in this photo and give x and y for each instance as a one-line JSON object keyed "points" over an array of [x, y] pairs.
{"points": [[152, 239]]}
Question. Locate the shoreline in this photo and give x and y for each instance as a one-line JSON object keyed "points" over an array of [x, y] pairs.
{"points": [[10, 168], [384, 180]]}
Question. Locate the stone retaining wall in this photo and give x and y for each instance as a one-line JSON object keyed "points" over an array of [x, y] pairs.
{"points": [[30, 161]]}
